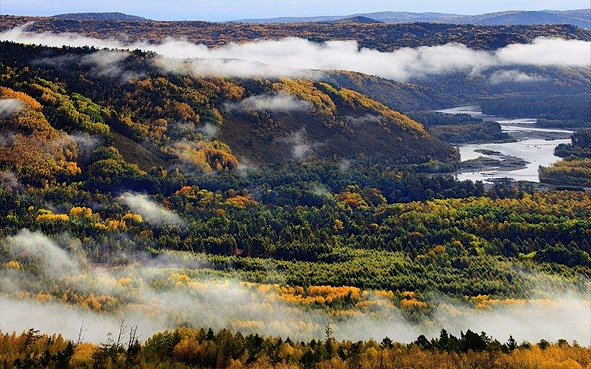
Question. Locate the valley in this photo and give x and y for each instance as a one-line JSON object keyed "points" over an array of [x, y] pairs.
{"points": [[518, 160]]}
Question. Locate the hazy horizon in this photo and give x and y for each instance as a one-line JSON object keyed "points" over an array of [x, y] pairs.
{"points": [[228, 10]]}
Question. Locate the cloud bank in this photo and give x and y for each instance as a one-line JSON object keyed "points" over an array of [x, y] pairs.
{"points": [[163, 292], [365, 119], [50, 256], [85, 142], [212, 67], [512, 75], [151, 211], [55, 317], [301, 147], [8, 107], [102, 63], [298, 57], [209, 130], [106, 63], [280, 103], [9, 182]]}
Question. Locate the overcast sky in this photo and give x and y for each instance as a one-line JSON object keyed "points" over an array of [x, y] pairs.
{"points": [[219, 10]]}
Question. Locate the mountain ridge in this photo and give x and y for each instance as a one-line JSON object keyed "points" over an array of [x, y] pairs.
{"points": [[384, 36], [577, 17], [357, 19], [106, 16]]}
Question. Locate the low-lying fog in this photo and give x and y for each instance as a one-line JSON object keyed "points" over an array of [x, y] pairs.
{"points": [[159, 293], [298, 57]]}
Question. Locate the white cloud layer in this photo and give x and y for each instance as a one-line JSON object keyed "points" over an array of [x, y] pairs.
{"points": [[54, 259], [301, 147], [209, 130], [365, 119], [281, 102], [151, 211], [512, 75], [9, 107], [297, 57]]}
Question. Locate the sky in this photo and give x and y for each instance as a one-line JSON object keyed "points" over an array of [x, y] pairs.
{"points": [[222, 10]]}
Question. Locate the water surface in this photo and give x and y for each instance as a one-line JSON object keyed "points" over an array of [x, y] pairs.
{"points": [[534, 145]]}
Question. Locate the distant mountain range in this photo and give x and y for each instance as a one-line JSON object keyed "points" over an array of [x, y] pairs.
{"points": [[112, 16], [580, 18]]}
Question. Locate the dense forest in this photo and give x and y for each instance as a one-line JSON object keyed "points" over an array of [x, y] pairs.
{"points": [[460, 128], [200, 348], [575, 168]]}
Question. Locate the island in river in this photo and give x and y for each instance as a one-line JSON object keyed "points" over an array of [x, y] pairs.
{"points": [[518, 160]]}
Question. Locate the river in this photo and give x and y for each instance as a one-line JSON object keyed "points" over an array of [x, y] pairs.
{"points": [[533, 145]]}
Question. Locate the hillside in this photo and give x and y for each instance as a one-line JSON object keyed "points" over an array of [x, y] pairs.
{"points": [[348, 125], [380, 36], [283, 174], [559, 93], [211, 124], [400, 96]]}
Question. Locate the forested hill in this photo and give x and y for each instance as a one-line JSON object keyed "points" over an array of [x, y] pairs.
{"points": [[380, 36], [109, 16], [164, 119], [559, 93]]}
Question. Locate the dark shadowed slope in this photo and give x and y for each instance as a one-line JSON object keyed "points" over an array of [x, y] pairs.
{"points": [[340, 122], [358, 19]]}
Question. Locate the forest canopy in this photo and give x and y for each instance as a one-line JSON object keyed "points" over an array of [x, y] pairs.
{"points": [[304, 220]]}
